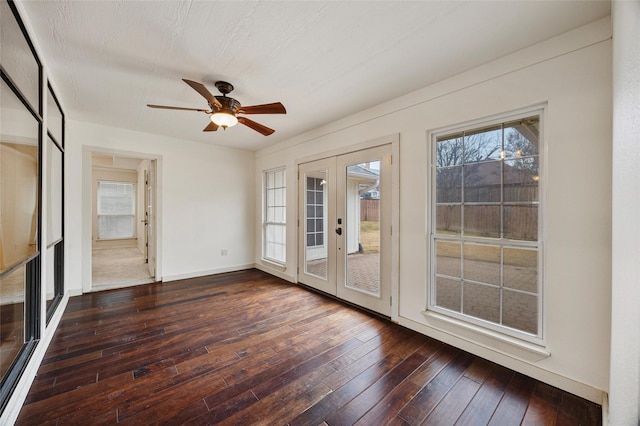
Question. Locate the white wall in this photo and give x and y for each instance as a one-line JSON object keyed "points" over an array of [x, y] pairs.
{"points": [[205, 201], [571, 75], [624, 397]]}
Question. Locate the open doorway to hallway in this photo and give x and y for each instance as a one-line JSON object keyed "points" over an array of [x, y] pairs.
{"points": [[123, 244]]}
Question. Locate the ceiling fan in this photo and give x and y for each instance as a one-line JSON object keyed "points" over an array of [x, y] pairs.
{"points": [[224, 110]]}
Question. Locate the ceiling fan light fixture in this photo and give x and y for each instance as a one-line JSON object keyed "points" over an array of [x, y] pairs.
{"points": [[224, 119]]}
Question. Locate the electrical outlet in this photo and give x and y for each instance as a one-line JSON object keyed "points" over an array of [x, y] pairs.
{"points": [[223, 252]]}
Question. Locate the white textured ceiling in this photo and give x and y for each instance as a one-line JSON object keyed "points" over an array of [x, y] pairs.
{"points": [[322, 60]]}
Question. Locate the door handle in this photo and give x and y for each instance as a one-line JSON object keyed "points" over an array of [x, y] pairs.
{"points": [[339, 231]]}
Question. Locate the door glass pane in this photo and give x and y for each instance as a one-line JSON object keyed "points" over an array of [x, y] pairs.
{"points": [[18, 180], [49, 282], [54, 117], [16, 57], [362, 226], [315, 194], [12, 288], [54, 194]]}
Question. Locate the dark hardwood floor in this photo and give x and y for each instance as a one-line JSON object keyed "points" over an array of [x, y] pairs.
{"points": [[246, 348]]}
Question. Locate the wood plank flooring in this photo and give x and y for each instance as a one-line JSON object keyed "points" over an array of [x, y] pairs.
{"points": [[246, 348]]}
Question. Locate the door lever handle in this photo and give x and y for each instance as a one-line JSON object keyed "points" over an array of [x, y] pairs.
{"points": [[339, 231]]}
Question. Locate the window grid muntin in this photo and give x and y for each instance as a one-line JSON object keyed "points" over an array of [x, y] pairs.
{"points": [[503, 243], [316, 191], [274, 181]]}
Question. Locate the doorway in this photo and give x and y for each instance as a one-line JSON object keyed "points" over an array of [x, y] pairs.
{"points": [[345, 244], [123, 246]]}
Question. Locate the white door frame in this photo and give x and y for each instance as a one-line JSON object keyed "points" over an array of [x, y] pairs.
{"points": [[87, 209], [394, 140]]}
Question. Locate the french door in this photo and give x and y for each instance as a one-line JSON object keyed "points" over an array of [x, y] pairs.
{"points": [[345, 227]]}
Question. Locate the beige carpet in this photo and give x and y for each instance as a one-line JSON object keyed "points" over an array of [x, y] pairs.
{"points": [[119, 267]]}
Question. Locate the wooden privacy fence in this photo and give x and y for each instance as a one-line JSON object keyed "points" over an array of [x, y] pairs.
{"points": [[370, 209], [520, 221]]}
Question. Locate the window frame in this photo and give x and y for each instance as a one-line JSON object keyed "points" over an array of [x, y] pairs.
{"points": [[134, 205], [266, 223], [500, 242]]}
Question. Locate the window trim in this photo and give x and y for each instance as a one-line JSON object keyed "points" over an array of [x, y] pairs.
{"points": [[498, 119], [265, 222]]}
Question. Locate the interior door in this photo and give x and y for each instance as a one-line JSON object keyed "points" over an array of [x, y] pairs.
{"points": [[150, 218], [345, 228]]}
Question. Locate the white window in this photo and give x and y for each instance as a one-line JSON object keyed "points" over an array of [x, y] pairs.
{"points": [[275, 230], [116, 210], [485, 231]]}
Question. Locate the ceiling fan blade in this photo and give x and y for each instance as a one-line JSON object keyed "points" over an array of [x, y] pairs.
{"points": [[274, 108], [179, 108], [211, 127], [256, 126], [200, 88]]}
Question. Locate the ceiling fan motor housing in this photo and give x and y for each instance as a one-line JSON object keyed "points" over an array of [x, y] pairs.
{"points": [[228, 104]]}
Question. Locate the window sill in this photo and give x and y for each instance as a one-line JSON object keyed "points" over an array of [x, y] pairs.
{"points": [[489, 339]]}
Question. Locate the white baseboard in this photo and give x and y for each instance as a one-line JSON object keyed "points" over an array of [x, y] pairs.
{"points": [[567, 384], [197, 274], [75, 292]]}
